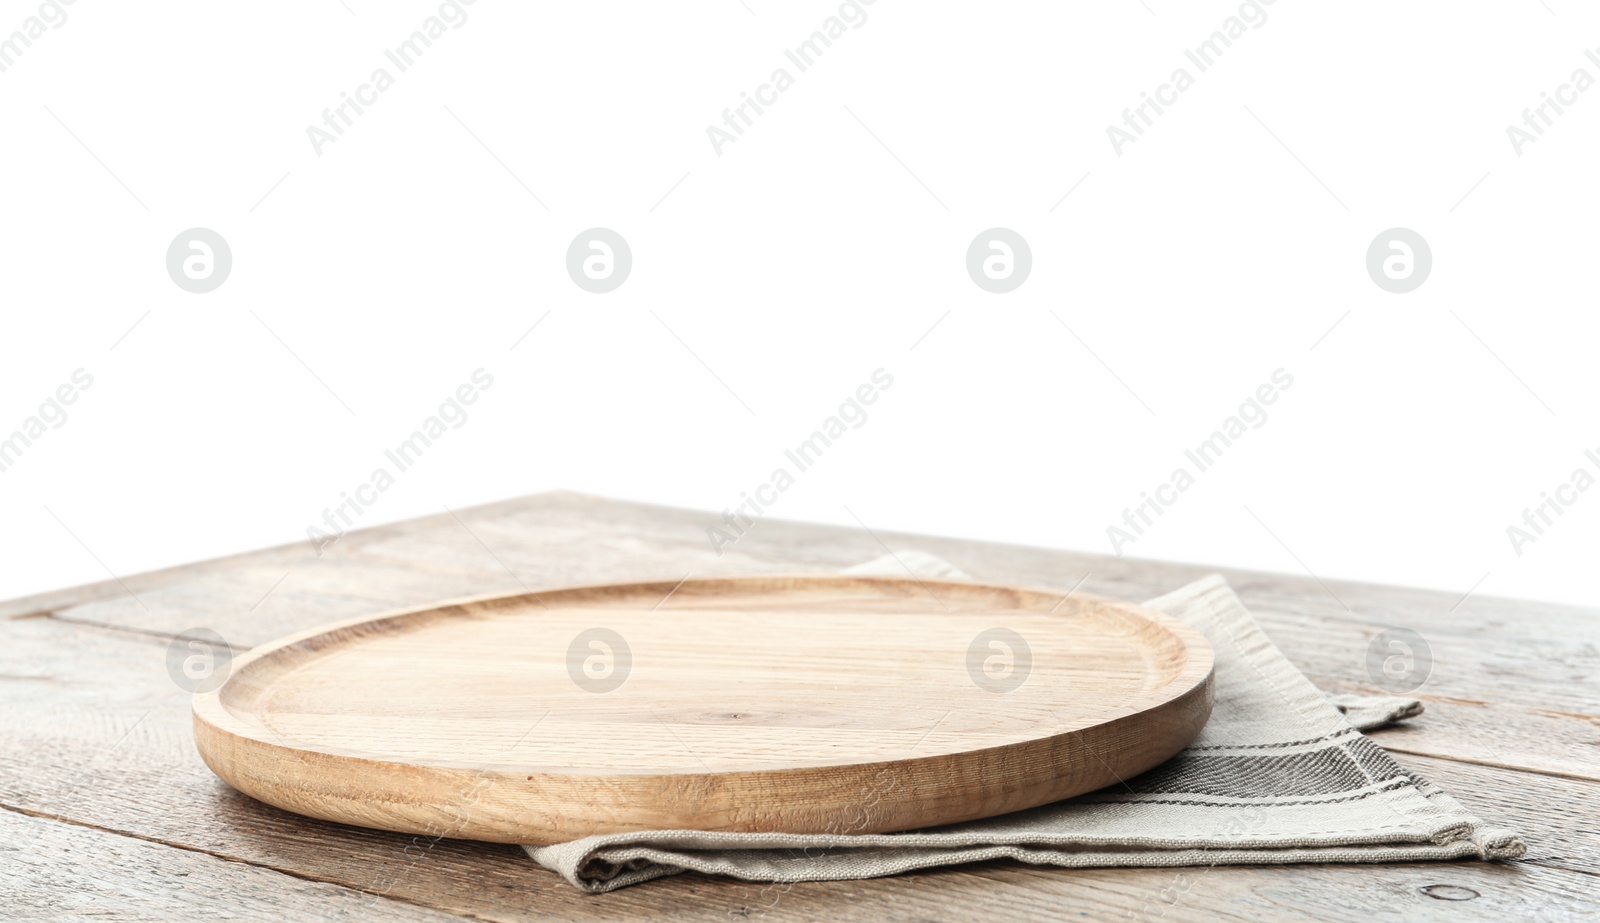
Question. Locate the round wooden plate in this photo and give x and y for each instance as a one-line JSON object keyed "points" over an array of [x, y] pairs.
{"points": [[798, 704]]}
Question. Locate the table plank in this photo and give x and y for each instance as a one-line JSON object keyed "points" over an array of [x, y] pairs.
{"points": [[97, 734], [55, 871]]}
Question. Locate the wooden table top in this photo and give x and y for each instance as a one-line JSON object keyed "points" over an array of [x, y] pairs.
{"points": [[109, 812]]}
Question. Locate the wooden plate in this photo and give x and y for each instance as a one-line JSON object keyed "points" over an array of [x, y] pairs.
{"points": [[797, 704]]}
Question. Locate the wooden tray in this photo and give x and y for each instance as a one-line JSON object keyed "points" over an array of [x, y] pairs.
{"points": [[799, 704]]}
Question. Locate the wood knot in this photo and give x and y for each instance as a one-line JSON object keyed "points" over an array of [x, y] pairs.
{"points": [[1449, 893]]}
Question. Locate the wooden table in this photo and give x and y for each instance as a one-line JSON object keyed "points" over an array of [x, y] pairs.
{"points": [[109, 813]]}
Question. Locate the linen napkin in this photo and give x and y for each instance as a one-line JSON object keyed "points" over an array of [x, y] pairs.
{"points": [[1279, 774]]}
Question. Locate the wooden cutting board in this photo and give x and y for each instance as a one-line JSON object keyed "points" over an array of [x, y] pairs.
{"points": [[828, 704]]}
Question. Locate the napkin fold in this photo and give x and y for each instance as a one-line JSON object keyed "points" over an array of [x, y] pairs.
{"points": [[1281, 773]]}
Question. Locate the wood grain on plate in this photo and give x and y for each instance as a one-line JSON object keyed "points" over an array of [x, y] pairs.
{"points": [[806, 704]]}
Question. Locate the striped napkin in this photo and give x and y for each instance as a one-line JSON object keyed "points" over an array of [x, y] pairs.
{"points": [[1280, 773]]}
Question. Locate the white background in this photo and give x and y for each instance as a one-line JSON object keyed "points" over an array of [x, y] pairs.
{"points": [[800, 260]]}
